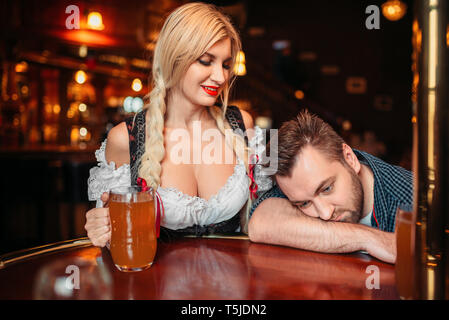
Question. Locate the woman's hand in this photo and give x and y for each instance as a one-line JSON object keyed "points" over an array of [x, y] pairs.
{"points": [[98, 225]]}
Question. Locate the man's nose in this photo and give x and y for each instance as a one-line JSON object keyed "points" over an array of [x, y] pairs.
{"points": [[325, 210]]}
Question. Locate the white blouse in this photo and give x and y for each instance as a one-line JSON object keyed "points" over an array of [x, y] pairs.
{"points": [[182, 210]]}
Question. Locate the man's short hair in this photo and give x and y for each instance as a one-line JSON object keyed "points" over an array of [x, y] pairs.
{"points": [[306, 129]]}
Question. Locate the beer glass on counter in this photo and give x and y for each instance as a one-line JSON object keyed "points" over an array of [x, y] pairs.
{"points": [[133, 229], [404, 268]]}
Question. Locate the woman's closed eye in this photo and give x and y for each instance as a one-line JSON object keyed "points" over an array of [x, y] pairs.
{"points": [[207, 63]]}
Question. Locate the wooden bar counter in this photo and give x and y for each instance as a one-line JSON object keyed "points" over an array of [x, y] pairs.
{"points": [[213, 268]]}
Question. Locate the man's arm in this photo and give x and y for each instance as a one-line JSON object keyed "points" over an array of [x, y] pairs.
{"points": [[276, 221]]}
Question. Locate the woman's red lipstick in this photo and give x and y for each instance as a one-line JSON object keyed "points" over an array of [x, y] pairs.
{"points": [[211, 90]]}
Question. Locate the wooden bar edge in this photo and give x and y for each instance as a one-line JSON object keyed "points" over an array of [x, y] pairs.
{"points": [[17, 256]]}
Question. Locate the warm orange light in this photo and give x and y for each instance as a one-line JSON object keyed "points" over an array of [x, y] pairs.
{"points": [[80, 76], [85, 36], [394, 10], [24, 90], [346, 125], [240, 67], [241, 57], [48, 108], [136, 85], [82, 107], [447, 36], [299, 94], [70, 114], [82, 51], [56, 109], [95, 21], [74, 135], [21, 67]]}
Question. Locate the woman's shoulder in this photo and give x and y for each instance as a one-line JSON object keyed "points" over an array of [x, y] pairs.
{"points": [[245, 116], [247, 119], [117, 146]]}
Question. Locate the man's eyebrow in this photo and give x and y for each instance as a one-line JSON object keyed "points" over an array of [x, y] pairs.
{"points": [[323, 183], [318, 189]]}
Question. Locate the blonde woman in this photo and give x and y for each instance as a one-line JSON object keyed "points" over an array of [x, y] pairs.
{"points": [[192, 73]]}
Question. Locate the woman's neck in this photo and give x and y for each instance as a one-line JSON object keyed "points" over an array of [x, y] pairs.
{"points": [[182, 113]]}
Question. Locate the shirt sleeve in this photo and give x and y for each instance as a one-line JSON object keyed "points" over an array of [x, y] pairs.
{"points": [[104, 176]]}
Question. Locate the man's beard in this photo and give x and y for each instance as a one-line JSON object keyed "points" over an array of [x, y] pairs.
{"points": [[355, 214]]}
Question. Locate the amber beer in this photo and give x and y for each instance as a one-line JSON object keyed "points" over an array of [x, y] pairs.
{"points": [[404, 267], [133, 235]]}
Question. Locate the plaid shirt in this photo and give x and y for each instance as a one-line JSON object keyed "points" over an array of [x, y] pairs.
{"points": [[393, 187]]}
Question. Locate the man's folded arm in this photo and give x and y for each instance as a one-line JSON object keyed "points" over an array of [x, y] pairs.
{"points": [[277, 221]]}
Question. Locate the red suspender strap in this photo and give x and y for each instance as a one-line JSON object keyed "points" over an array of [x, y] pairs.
{"points": [[374, 214]]}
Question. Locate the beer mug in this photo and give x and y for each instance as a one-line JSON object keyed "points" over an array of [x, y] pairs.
{"points": [[133, 228], [405, 244]]}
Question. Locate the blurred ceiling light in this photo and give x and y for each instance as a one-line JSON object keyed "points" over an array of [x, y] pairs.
{"points": [[240, 67], [140, 63], [241, 57], [74, 134], [80, 76], [24, 90], [56, 109], [21, 67], [137, 104], [113, 59], [394, 10], [113, 101], [299, 94], [136, 85], [82, 107], [95, 21], [70, 114], [83, 132], [281, 44], [48, 108], [83, 51], [127, 104], [256, 31], [263, 122], [346, 125]]}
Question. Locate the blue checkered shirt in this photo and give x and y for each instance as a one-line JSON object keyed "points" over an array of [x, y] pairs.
{"points": [[393, 188]]}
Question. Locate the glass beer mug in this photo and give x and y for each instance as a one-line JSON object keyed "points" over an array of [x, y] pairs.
{"points": [[405, 244], [133, 228]]}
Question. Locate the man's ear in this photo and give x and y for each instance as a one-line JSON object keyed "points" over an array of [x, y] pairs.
{"points": [[351, 158]]}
